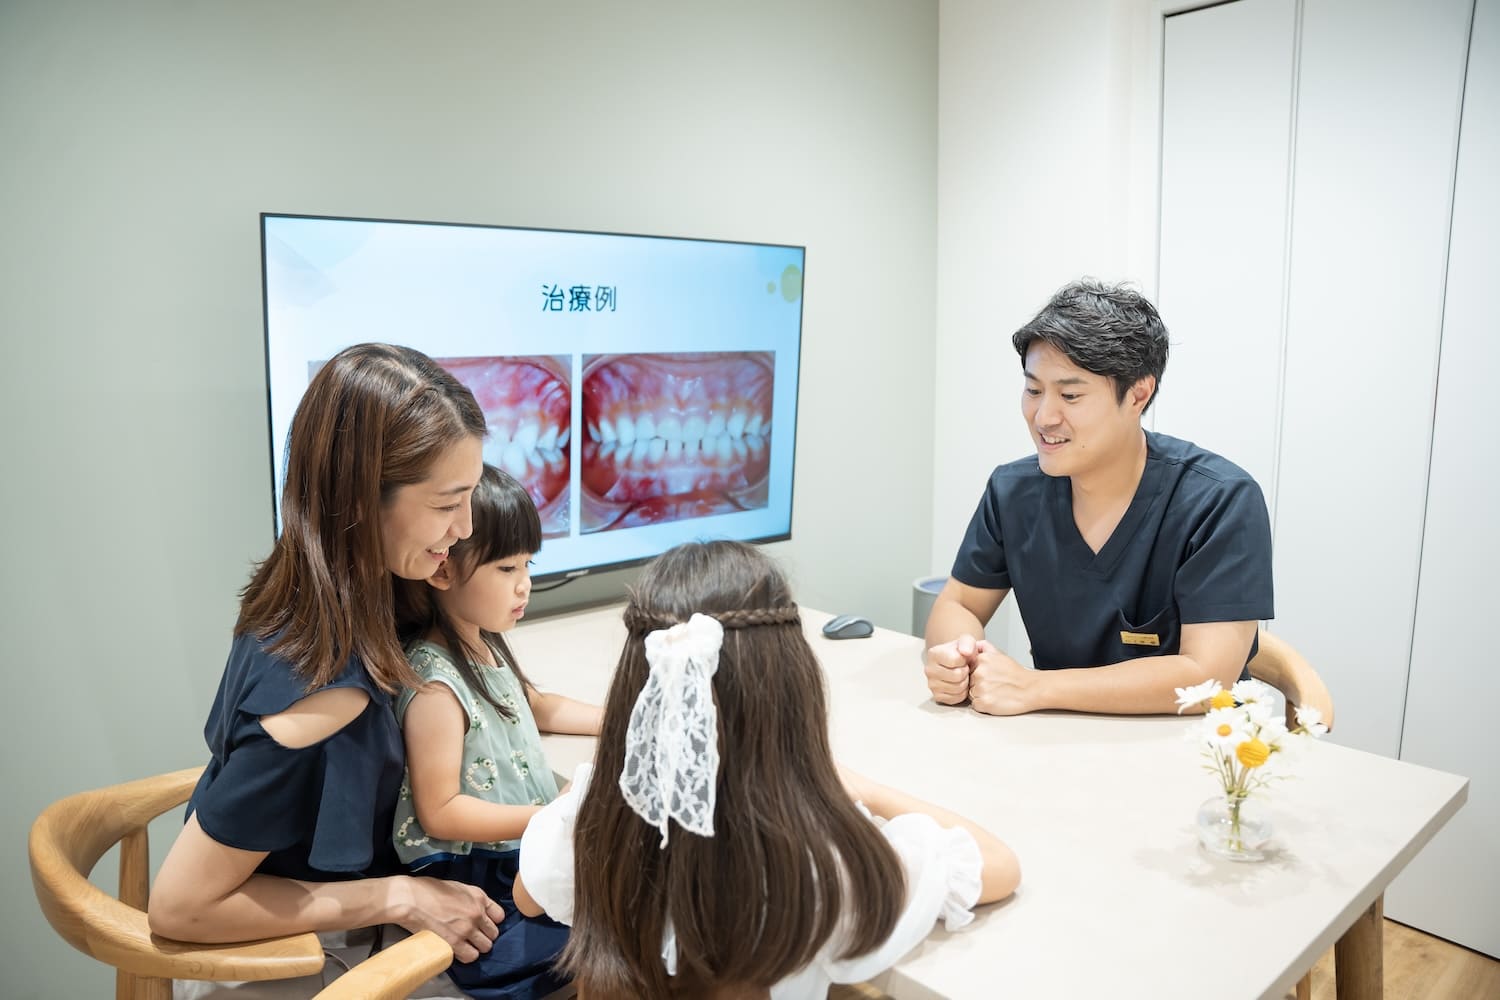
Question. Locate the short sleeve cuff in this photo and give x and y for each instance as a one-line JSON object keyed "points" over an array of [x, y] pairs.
{"points": [[951, 861], [547, 850], [265, 798], [966, 574], [942, 868], [1200, 614]]}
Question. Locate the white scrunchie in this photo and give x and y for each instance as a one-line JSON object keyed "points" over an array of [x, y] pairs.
{"points": [[672, 743]]}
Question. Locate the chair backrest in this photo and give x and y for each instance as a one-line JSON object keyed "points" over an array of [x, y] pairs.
{"points": [[67, 841], [1279, 665], [72, 834]]}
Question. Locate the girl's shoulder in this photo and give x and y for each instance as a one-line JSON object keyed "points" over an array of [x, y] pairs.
{"points": [[430, 659], [433, 664]]}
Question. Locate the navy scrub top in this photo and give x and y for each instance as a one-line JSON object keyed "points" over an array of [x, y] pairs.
{"points": [[1194, 546], [323, 812]]}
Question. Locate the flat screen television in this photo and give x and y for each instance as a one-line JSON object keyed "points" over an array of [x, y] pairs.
{"points": [[643, 388]]}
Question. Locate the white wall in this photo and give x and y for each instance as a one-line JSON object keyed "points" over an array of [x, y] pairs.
{"points": [[1037, 175], [142, 140], [1227, 126]]}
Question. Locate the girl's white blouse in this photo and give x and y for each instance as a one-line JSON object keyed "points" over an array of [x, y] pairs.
{"points": [[942, 879]]}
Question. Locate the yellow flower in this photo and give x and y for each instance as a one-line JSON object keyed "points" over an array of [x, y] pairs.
{"points": [[1252, 753], [1221, 699]]}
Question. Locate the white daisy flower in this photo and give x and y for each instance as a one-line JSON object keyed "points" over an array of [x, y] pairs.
{"points": [[1273, 733], [1252, 691], [1260, 713], [1198, 693], [1310, 719], [1225, 728], [1292, 751]]}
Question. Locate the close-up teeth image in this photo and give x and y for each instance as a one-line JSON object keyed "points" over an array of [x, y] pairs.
{"points": [[674, 436], [527, 406]]}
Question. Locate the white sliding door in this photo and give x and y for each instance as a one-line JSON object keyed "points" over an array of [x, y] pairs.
{"points": [[1226, 138], [1453, 888], [1327, 273], [1377, 125]]}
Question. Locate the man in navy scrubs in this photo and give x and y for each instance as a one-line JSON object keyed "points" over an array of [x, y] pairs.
{"points": [[1141, 563]]}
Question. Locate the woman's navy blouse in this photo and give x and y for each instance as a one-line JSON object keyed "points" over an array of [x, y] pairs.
{"points": [[322, 812]]}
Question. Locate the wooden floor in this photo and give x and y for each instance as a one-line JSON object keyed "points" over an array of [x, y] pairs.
{"points": [[1421, 967], [1417, 967]]}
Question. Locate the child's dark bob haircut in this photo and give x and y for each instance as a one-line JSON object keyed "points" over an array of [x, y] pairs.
{"points": [[506, 523]]}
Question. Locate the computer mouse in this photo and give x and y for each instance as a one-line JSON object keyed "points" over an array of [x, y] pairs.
{"points": [[848, 627]]}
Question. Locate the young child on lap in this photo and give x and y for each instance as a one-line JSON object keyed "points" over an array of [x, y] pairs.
{"points": [[476, 773]]}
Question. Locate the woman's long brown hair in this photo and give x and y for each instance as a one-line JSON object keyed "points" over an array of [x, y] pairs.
{"points": [[374, 418], [791, 856]]}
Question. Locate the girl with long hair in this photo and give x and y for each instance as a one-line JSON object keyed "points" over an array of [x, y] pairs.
{"points": [[718, 851]]}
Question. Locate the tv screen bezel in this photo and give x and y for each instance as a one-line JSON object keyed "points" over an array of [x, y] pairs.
{"points": [[561, 576]]}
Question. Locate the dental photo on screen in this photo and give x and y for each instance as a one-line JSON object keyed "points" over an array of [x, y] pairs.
{"points": [[527, 404], [632, 383], [675, 436]]}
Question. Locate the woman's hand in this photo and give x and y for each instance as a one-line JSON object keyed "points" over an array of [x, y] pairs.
{"points": [[460, 914]]}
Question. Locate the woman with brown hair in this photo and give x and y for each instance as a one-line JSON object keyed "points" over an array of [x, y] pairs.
{"points": [[721, 853], [289, 828]]}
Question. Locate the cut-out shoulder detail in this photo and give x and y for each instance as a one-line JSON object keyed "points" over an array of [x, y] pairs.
{"points": [[316, 717]]}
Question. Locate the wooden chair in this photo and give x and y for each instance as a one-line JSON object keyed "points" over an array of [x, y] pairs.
{"points": [[72, 834], [1279, 665]]}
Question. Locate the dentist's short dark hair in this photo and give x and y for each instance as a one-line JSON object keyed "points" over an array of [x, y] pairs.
{"points": [[1109, 330]]}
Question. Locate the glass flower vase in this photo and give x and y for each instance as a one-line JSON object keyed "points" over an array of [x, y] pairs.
{"points": [[1234, 827]]}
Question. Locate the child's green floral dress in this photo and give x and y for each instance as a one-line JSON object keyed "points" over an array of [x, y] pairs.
{"points": [[502, 760]]}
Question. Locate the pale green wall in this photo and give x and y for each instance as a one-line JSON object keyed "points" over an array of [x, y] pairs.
{"points": [[142, 139]]}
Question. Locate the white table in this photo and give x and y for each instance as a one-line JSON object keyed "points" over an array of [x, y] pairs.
{"points": [[1116, 897]]}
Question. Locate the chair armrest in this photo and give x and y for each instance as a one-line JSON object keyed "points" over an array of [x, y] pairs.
{"points": [[1287, 670], [68, 839], [99, 925], [393, 973]]}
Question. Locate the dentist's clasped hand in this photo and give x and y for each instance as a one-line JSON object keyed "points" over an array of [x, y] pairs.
{"points": [[947, 666], [974, 670], [998, 685]]}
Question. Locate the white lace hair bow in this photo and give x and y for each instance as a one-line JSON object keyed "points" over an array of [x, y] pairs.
{"points": [[672, 743]]}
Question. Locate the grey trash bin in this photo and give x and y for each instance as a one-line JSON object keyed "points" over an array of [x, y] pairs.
{"points": [[924, 590]]}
